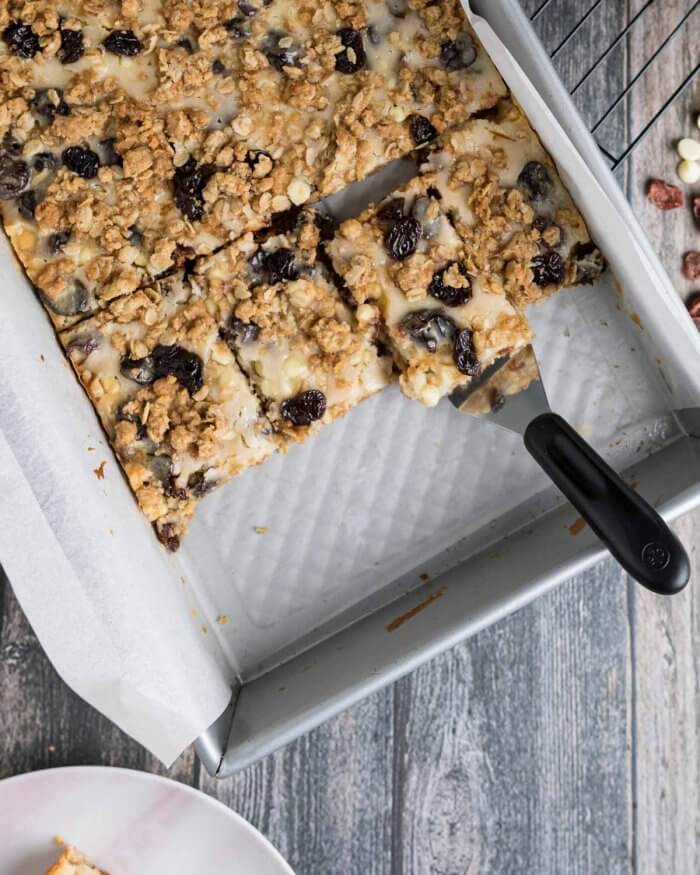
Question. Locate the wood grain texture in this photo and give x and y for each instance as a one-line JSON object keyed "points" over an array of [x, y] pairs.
{"points": [[666, 663], [562, 740]]}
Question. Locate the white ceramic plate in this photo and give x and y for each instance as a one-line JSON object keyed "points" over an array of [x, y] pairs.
{"points": [[128, 823]]}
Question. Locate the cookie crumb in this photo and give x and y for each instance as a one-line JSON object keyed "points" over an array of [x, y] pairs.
{"points": [[261, 530], [99, 472]]}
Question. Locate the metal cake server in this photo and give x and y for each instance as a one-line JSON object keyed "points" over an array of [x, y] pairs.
{"points": [[630, 528]]}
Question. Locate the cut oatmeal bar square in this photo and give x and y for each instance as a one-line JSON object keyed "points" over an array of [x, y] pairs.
{"points": [[307, 356], [174, 403], [516, 219], [445, 322]]}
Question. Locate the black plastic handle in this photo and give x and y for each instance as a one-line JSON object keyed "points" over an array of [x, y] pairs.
{"points": [[629, 527]]}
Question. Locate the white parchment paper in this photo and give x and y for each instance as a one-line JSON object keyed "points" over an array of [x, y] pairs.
{"points": [[154, 641]]}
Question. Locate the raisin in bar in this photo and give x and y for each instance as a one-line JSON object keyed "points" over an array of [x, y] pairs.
{"points": [[176, 406], [306, 355], [513, 213], [444, 321]]}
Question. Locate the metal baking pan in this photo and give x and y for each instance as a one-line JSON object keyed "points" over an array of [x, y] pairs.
{"points": [[506, 555]]}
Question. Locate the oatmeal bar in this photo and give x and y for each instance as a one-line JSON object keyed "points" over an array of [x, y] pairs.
{"points": [[299, 343], [72, 862], [445, 321], [514, 377], [179, 412], [510, 208]]}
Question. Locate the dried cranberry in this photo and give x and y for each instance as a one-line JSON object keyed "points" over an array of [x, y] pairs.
{"points": [[247, 9], [185, 366], [167, 537], [44, 161], [305, 408], [74, 300], [124, 43], [458, 54], [402, 238], [172, 490], [56, 242], [218, 67], [451, 296], [548, 268], [464, 354], [237, 331], [391, 210], [353, 57], [26, 204], [421, 129], [199, 484], [141, 371], [279, 266], [14, 176], [189, 182], [141, 432], [496, 399], [84, 343], [588, 261], [72, 46], [693, 306], [254, 158], [534, 181], [21, 39], [135, 237], [43, 104], [237, 28], [691, 265], [663, 195], [431, 328], [278, 56], [110, 156], [82, 161], [696, 208], [186, 44]]}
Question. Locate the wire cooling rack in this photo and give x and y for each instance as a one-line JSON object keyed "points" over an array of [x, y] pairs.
{"points": [[578, 27]]}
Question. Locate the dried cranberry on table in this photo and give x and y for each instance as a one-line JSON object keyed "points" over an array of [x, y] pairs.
{"points": [[691, 265], [305, 408], [693, 305], [663, 195], [696, 208]]}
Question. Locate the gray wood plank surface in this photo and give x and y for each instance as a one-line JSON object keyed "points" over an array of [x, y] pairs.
{"points": [[563, 740]]}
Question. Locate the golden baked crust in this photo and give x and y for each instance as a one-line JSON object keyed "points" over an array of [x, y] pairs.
{"points": [[72, 862]]}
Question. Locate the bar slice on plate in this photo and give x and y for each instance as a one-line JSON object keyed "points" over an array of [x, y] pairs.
{"points": [[307, 356], [174, 403], [445, 322]]}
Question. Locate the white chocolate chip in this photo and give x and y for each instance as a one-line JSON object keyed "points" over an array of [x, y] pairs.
{"points": [[397, 114], [689, 149], [298, 191], [689, 171], [366, 314], [430, 396]]}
